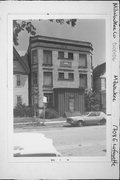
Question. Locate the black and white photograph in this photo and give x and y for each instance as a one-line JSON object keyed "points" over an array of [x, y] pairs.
{"points": [[59, 83], [61, 90]]}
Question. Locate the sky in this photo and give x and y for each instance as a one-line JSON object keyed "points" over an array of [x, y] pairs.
{"points": [[90, 30]]}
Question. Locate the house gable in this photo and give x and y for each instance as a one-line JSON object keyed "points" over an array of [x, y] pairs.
{"points": [[19, 67]]}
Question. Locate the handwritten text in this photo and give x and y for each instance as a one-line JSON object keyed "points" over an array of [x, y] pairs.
{"points": [[114, 151], [115, 21]]}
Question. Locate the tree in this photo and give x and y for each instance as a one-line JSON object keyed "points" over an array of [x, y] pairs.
{"points": [[92, 103], [19, 26], [27, 25]]}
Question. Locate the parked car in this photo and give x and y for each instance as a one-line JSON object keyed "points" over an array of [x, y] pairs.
{"points": [[33, 145], [89, 118]]}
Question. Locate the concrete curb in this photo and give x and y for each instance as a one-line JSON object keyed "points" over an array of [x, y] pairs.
{"points": [[49, 122]]}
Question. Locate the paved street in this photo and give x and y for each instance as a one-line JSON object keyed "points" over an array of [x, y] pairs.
{"points": [[76, 141], [79, 141]]}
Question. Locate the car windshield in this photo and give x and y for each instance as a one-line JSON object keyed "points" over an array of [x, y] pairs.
{"points": [[92, 113]]}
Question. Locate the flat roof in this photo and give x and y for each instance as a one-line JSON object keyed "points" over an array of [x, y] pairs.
{"points": [[60, 41]]}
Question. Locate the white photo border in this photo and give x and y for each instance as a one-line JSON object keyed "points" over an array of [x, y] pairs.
{"points": [[10, 85], [111, 162]]}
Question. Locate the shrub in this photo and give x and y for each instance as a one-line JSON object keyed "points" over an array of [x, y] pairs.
{"points": [[92, 103], [21, 110], [49, 114]]}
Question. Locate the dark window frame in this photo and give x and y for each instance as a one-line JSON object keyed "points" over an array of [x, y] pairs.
{"points": [[35, 79], [19, 99], [71, 78], [70, 56], [59, 75], [36, 54], [60, 54], [80, 66], [83, 75], [46, 53], [18, 81], [51, 74]]}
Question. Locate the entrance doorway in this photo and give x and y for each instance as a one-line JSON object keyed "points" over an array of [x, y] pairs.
{"points": [[71, 104]]}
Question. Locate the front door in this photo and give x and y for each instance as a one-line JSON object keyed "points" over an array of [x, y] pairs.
{"points": [[71, 104]]}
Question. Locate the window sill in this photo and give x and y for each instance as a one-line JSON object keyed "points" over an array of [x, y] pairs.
{"points": [[85, 67], [49, 86], [65, 59], [65, 79], [47, 64]]}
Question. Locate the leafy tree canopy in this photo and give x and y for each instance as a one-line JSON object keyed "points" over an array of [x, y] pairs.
{"points": [[27, 25]]}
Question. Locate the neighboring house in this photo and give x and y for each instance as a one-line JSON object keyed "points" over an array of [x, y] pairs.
{"points": [[61, 70], [99, 84], [20, 79]]}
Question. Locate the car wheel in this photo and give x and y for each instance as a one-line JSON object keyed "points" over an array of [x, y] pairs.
{"points": [[80, 123]]}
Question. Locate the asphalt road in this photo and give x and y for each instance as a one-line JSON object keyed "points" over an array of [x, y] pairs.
{"points": [[79, 141], [73, 141]]}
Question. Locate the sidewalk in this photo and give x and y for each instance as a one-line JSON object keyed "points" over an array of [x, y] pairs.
{"points": [[38, 121]]}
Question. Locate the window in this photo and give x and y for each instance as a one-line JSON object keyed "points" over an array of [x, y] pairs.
{"points": [[47, 57], [92, 114], [35, 78], [61, 75], [60, 55], [19, 100], [47, 79], [82, 60], [103, 83], [18, 80], [34, 57], [97, 113], [83, 80], [71, 76], [70, 55], [65, 55]]}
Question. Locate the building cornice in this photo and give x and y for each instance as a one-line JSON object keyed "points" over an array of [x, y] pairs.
{"points": [[19, 72], [55, 42]]}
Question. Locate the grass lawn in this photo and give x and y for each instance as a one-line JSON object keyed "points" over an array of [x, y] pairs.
{"points": [[24, 119]]}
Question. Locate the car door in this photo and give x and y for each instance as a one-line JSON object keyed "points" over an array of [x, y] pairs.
{"points": [[97, 117], [90, 118]]}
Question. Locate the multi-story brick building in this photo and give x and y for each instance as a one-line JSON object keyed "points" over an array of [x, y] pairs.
{"points": [[61, 70]]}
